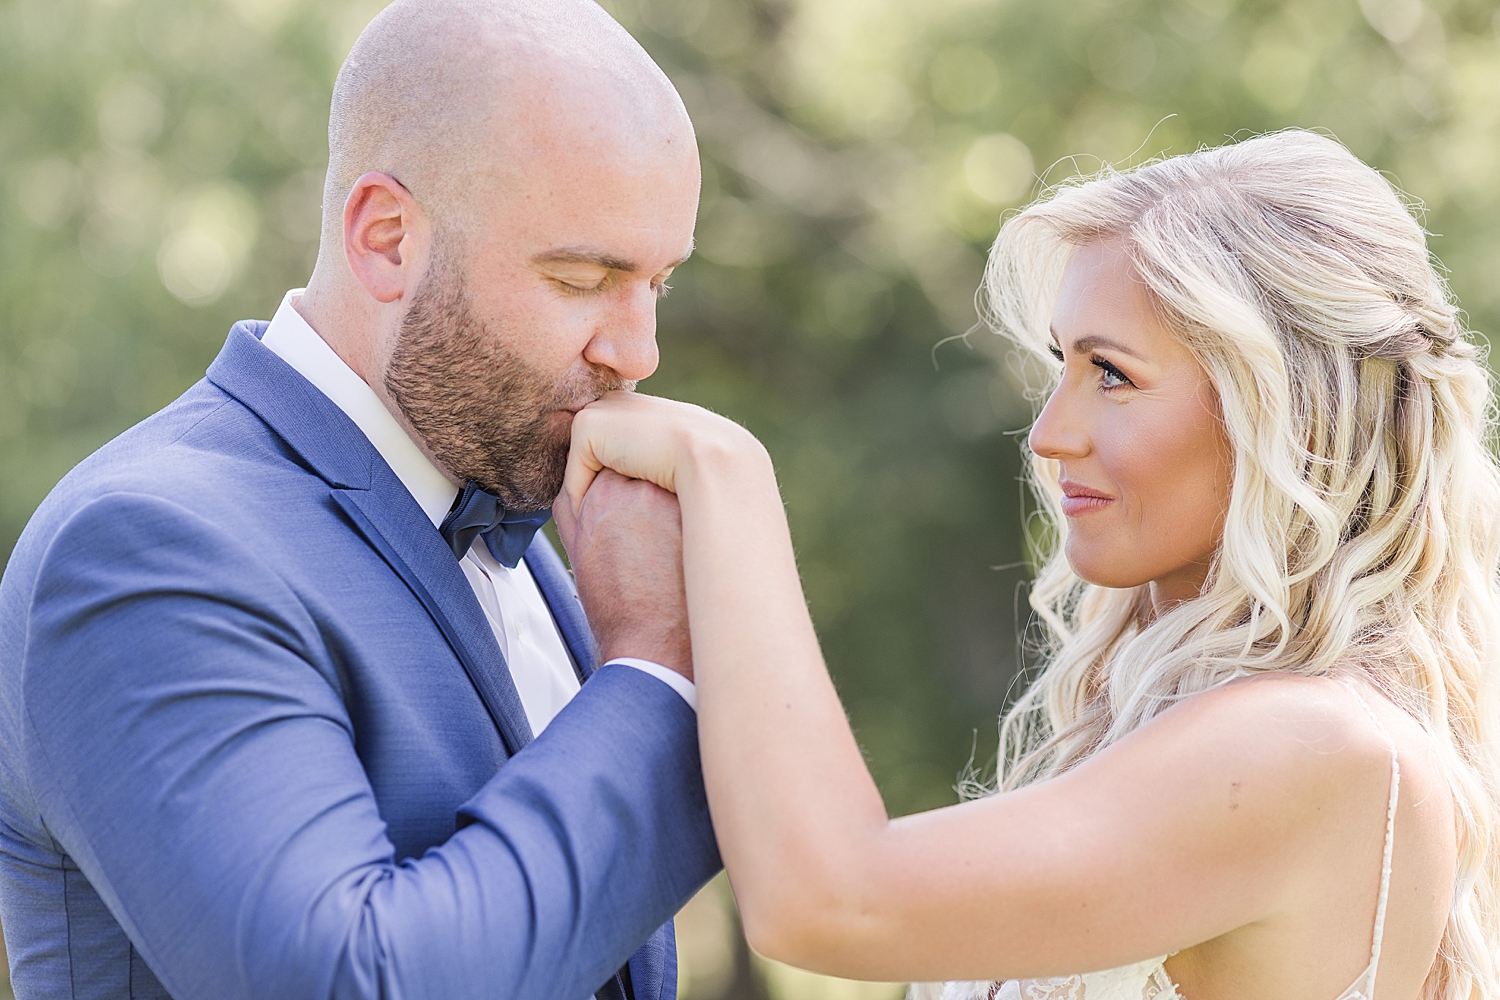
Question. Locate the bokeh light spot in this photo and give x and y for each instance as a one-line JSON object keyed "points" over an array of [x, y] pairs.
{"points": [[1397, 20], [194, 267], [999, 168]]}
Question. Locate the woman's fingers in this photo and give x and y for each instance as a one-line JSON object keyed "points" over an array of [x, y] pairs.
{"points": [[645, 437], [581, 470], [632, 434]]}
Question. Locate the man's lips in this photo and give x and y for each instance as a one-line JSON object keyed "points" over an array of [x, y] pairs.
{"points": [[571, 407], [572, 404], [1079, 500]]}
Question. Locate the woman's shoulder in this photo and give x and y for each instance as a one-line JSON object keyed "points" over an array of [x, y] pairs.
{"points": [[1278, 747], [1291, 779], [1325, 721]]}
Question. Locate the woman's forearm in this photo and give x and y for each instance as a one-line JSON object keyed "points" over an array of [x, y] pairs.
{"points": [[799, 820], [1035, 882], [794, 807]]}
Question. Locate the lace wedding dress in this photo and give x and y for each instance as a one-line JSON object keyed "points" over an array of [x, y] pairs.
{"points": [[1148, 980]]}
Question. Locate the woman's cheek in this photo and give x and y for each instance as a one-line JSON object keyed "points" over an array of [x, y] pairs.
{"points": [[1147, 453], [1125, 454]]}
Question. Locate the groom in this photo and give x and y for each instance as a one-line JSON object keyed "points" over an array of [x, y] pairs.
{"points": [[294, 701]]}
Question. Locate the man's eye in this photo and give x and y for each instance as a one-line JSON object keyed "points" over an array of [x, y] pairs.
{"points": [[661, 288], [576, 286]]}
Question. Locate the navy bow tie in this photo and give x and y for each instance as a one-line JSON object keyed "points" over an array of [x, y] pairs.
{"points": [[507, 533]]}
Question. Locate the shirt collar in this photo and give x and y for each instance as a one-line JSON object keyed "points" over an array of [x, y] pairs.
{"points": [[299, 345]]}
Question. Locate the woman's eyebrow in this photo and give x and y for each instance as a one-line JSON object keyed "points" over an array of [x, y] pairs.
{"points": [[1083, 345]]}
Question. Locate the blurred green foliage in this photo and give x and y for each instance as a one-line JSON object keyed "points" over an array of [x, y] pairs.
{"points": [[161, 163]]}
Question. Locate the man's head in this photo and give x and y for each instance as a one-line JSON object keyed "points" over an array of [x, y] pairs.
{"points": [[510, 182]]}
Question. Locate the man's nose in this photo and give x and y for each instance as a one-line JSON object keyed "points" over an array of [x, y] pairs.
{"points": [[1057, 432], [626, 339]]}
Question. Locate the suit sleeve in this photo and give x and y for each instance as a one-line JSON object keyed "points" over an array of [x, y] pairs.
{"points": [[188, 747]]}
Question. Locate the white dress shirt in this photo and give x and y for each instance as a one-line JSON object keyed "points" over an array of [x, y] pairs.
{"points": [[517, 613]]}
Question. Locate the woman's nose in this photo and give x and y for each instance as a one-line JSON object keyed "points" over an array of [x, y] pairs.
{"points": [[1057, 432]]}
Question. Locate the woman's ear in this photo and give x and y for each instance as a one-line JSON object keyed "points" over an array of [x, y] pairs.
{"points": [[384, 235]]}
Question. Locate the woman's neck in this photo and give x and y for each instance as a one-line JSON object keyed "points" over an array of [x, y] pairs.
{"points": [[1175, 588]]}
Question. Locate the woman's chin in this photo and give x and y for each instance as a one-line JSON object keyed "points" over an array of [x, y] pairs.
{"points": [[1101, 571]]}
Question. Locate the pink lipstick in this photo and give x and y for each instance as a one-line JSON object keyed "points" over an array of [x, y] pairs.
{"points": [[1079, 500]]}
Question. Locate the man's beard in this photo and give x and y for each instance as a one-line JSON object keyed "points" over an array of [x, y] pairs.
{"points": [[483, 412]]}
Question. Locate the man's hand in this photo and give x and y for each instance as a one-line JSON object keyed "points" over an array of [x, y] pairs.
{"points": [[625, 546]]}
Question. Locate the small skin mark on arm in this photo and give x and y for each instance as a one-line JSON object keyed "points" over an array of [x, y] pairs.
{"points": [[1234, 789]]}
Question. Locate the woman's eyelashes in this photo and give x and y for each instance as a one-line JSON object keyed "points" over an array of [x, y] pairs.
{"points": [[1110, 377]]}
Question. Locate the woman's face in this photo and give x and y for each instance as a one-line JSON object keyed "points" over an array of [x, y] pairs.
{"points": [[1145, 464]]}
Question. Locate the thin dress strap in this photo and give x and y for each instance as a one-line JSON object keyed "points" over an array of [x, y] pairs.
{"points": [[1365, 985]]}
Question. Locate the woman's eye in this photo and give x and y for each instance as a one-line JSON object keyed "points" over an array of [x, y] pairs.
{"points": [[1055, 351], [1112, 377]]}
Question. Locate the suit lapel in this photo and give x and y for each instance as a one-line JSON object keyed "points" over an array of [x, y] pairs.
{"points": [[380, 508], [331, 445], [556, 584], [427, 566]]}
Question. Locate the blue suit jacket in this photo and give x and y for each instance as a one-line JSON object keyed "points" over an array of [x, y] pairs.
{"points": [[252, 729]]}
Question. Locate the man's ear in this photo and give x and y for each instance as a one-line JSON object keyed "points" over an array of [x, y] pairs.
{"points": [[384, 232]]}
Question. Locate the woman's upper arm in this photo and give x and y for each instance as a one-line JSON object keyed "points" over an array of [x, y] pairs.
{"points": [[1206, 819]]}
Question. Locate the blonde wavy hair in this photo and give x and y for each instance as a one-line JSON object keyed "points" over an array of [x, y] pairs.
{"points": [[1363, 529]]}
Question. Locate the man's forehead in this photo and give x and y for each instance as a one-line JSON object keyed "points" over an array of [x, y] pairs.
{"points": [[443, 92]]}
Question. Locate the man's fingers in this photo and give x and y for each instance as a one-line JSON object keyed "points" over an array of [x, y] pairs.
{"points": [[603, 489]]}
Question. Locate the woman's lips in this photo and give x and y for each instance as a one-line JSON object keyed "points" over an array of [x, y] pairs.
{"points": [[1079, 500]]}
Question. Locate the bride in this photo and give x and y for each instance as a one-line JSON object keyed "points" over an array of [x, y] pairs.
{"points": [[1261, 760]]}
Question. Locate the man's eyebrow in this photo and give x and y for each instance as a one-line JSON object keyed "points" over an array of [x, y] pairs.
{"points": [[584, 255], [1083, 345], [570, 255]]}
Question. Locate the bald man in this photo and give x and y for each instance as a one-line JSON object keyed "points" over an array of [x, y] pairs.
{"points": [[294, 700]]}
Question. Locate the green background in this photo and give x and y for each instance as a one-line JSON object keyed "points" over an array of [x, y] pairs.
{"points": [[161, 163]]}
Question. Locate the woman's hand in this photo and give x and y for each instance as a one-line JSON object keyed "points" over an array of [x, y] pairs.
{"points": [[662, 441]]}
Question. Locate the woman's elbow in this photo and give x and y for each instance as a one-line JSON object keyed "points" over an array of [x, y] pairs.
{"points": [[806, 923]]}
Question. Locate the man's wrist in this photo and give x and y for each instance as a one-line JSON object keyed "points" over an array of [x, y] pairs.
{"points": [[672, 678], [669, 651]]}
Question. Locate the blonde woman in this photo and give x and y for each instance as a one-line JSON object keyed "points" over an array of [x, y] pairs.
{"points": [[1261, 760]]}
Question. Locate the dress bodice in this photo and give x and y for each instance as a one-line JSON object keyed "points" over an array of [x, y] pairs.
{"points": [[1142, 981], [1148, 980]]}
